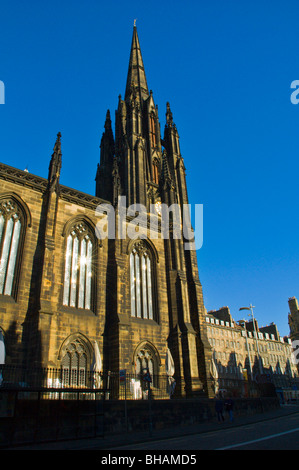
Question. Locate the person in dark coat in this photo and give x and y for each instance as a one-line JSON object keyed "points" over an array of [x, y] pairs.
{"points": [[219, 408], [229, 406]]}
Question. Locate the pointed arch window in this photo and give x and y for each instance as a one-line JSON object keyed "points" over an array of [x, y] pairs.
{"points": [[74, 363], [78, 274], [155, 171], [141, 282], [153, 133], [11, 231], [146, 359]]}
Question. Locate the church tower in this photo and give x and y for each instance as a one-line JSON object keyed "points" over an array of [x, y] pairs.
{"points": [[137, 153], [155, 299]]}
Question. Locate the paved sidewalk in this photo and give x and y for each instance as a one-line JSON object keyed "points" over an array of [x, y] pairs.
{"points": [[117, 440]]}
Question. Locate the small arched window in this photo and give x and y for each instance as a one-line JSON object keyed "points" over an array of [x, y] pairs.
{"points": [[146, 360], [141, 282], [78, 273], [11, 232], [75, 363]]}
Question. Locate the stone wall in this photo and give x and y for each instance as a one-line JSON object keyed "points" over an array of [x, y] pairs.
{"points": [[32, 420]]}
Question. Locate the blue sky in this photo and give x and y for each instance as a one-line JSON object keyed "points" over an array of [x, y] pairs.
{"points": [[226, 68]]}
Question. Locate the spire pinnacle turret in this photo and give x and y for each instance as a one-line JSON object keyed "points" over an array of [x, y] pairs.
{"points": [[104, 170], [169, 118], [55, 164], [136, 78]]}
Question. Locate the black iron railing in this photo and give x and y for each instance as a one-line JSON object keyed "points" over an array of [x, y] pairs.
{"points": [[60, 382], [48, 378], [137, 387], [115, 385]]}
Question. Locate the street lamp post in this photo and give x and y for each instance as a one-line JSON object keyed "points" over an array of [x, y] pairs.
{"points": [[249, 360], [250, 308]]}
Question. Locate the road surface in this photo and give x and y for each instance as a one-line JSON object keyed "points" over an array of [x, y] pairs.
{"points": [[276, 434]]}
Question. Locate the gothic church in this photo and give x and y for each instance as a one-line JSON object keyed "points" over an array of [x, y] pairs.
{"points": [[63, 288]]}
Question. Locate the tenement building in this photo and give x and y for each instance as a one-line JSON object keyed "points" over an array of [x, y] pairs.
{"points": [[244, 351], [80, 271]]}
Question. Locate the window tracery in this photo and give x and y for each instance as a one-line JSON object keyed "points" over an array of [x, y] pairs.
{"points": [[78, 267], [141, 284], [11, 228]]}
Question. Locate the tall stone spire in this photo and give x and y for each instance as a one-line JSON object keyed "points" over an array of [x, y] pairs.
{"points": [[136, 79]]}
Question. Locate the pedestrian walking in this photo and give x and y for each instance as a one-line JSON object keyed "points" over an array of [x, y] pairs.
{"points": [[229, 406], [219, 408]]}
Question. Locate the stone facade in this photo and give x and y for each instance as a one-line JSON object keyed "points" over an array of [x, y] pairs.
{"points": [[239, 347], [71, 286]]}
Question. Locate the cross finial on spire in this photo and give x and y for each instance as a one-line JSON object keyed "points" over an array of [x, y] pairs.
{"points": [[135, 23]]}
